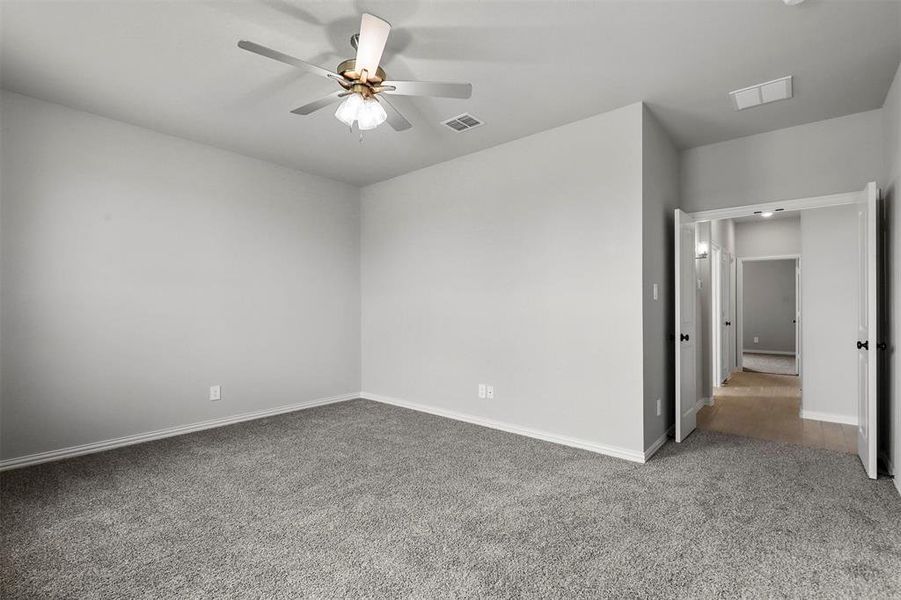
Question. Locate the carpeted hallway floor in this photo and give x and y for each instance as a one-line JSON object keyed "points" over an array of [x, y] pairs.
{"points": [[364, 500]]}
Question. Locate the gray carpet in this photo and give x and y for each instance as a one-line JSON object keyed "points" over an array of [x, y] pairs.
{"points": [[362, 500], [777, 364]]}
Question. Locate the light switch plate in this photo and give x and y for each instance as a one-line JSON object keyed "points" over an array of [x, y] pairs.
{"points": [[215, 392], [482, 391], [491, 392]]}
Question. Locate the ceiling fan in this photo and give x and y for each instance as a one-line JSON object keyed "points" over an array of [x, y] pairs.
{"points": [[364, 82]]}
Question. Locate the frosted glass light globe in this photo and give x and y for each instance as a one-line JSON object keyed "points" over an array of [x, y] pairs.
{"points": [[370, 115], [349, 109]]}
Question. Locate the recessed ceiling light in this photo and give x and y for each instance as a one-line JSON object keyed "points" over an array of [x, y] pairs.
{"points": [[793, 2], [762, 93], [766, 214]]}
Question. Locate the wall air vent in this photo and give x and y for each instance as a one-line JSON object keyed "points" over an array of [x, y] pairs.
{"points": [[463, 122], [762, 93]]}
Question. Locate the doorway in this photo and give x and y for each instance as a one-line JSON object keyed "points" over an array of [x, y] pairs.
{"points": [[769, 313], [767, 404]]}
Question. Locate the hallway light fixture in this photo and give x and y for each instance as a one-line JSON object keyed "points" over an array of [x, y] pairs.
{"points": [[702, 250], [766, 214]]}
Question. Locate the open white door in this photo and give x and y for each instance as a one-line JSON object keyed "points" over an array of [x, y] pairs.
{"points": [[725, 323], [686, 298], [798, 317], [867, 340]]}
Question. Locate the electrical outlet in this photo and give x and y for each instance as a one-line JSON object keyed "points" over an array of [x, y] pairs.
{"points": [[491, 392], [756, 340], [659, 407], [482, 391], [215, 392]]}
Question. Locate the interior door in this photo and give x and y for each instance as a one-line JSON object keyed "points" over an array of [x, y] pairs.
{"points": [[797, 317], [867, 363], [715, 355], [686, 335], [725, 312]]}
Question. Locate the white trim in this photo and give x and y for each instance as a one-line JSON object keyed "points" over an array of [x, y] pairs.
{"points": [[707, 401], [829, 417], [774, 257], [658, 443], [615, 451], [786, 205], [139, 438], [701, 402], [779, 352]]}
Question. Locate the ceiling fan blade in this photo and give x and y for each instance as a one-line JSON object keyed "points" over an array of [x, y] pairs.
{"points": [[317, 104], [288, 60], [397, 121], [373, 37], [428, 88]]}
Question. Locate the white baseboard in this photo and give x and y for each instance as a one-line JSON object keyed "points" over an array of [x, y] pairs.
{"points": [[653, 448], [828, 417], [705, 402], [699, 404], [780, 352], [52, 455], [617, 452]]}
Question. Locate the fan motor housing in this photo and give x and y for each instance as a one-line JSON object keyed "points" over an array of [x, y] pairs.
{"points": [[347, 69]]}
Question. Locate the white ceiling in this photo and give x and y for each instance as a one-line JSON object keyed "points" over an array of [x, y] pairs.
{"points": [[173, 66]]}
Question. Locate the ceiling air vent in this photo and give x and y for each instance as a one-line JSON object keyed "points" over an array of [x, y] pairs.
{"points": [[462, 122], [762, 93]]}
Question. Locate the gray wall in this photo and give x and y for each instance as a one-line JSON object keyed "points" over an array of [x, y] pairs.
{"points": [[768, 305], [891, 183], [660, 197], [781, 237], [138, 269], [829, 310], [514, 266], [827, 157]]}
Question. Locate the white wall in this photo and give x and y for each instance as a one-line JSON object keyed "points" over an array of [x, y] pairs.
{"points": [[660, 197], [768, 306], [138, 269], [829, 311], [517, 266], [890, 183], [827, 157], [768, 238]]}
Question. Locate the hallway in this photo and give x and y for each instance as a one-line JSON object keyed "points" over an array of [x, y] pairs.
{"points": [[765, 406]]}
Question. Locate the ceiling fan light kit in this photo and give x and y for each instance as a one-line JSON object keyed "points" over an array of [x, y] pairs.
{"points": [[364, 80]]}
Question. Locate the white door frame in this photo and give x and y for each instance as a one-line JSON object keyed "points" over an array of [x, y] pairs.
{"points": [[739, 301], [786, 205]]}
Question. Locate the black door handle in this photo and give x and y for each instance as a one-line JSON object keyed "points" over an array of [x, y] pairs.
{"points": [[865, 344], [881, 345], [728, 323], [683, 337]]}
